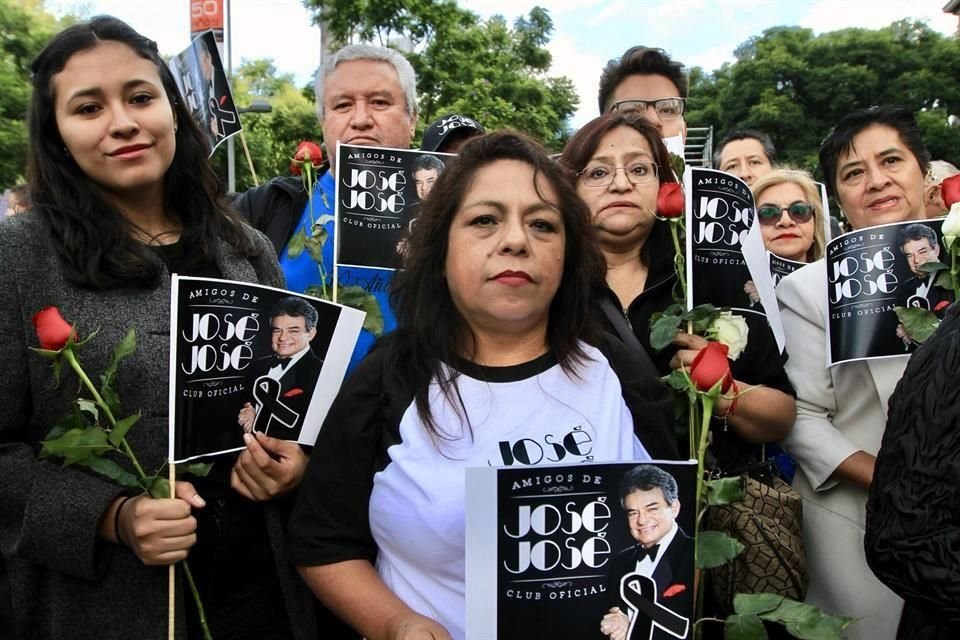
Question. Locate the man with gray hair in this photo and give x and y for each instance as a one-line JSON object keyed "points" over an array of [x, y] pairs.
{"points": [[366, 96]]}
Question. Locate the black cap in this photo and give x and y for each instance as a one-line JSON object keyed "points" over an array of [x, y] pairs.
{"points": [[449, 127]]}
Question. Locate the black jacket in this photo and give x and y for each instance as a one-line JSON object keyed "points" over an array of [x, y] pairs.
{"points": [[274, 208], [912, 538]]}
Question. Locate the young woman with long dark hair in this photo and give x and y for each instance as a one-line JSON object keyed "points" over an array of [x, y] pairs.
{"points": [[122, 196]]}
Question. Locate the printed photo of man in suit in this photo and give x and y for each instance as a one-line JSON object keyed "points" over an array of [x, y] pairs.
{"points": [[282, 384], [650, 583]]}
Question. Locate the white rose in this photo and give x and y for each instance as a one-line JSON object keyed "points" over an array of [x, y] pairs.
{"points": [[951, 225], [732, 331]]}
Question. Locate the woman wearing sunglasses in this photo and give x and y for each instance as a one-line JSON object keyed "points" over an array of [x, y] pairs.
{"points": [[790, 214]]}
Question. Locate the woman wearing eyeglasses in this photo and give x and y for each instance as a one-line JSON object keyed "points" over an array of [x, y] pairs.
{"points": [[791, 214], [617, 163]]}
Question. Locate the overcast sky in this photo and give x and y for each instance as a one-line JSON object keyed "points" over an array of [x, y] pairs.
{"points": [[587, 32]]}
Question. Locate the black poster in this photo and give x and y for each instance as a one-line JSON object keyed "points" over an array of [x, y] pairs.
{"points": [[781, 267], [869, 273], [551, 550], [379, 192], [727, 264], [245, 357], [199, 74]]}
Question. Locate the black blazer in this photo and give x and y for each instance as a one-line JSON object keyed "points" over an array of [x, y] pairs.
{"points": [[673, 575], [296, 389]]}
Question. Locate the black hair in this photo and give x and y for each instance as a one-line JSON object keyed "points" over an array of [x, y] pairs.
{"points": [[583, 145], [92, 237], [769, 149], [640, 61], [427, 162], [296, 307], [840, 138], [430, 330], [645, 477], [917, 231]]}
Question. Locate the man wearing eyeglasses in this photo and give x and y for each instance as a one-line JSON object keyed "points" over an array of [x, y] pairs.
{"points": [[647, 81]]}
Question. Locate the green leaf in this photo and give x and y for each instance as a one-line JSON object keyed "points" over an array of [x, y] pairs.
{"points": [[744, 627], [663, 330], [756, 603], [918, 323], [930, 267], [88, 406], [724, 490], [122, 350], [819, 626], [715, 549], [315, 249], [360, 298], [677, 379], [701, 316], [944, 280], [76, 445], [119, 432], [296, 243], [805, 621], [110, 469], [200, 469], [46, 353], [156, 486]]}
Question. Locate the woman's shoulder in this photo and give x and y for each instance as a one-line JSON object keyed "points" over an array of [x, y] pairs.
{"points": [[24, 238], [26, 226]]}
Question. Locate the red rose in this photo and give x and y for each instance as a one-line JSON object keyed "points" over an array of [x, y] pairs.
{"points": [[950, 190], [710, 367], [296, 391], [52, 329], [673, 590], [670, 200], [307, 152]]}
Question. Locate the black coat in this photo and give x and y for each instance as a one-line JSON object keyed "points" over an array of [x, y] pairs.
{"points": [[913, 514]]}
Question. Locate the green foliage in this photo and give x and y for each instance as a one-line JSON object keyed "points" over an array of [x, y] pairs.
{"points": [[360, 298], [124, 348], [801, 620], [715, 549], [795, 86], [26, 27], [918, 323], [725, 490], [486, 69], [744, 627], [77, 445], [271, 137]]}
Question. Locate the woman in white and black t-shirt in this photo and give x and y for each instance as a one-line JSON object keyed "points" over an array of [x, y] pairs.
{"points": [[493, 349]]}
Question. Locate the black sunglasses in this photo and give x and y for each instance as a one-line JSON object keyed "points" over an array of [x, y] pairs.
{"points": [[799, 212]]}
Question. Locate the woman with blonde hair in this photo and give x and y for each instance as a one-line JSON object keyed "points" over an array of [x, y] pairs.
{"points": [[790, 212]]}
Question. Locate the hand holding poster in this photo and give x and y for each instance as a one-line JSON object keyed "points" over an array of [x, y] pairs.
{"points": [[245, 358], [581, 551]]}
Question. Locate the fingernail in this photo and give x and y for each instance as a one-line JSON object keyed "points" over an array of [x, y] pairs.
{"points": [[200, 502], [247, 438]]}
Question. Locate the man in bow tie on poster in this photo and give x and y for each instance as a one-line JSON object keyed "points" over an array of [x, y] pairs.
{"points": [[283, 383], [650, 583]]}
